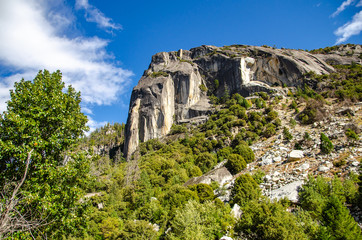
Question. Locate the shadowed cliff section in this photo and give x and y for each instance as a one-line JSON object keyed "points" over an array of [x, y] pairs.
{"points": [[174, 88]]}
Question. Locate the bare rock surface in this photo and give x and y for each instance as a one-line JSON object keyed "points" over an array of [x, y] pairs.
{"points": [[220, 175]]}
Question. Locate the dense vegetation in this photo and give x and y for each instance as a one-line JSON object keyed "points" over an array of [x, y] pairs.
{"points": [[146, 198]]}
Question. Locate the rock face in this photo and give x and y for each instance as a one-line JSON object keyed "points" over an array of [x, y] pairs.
{"points": [[174, 88]]}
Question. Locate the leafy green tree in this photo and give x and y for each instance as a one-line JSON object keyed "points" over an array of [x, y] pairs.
{"points": [[245, 190], [326, 144], [338, 221], [266, 220], [45, 119], [235, 163], [137, 229], [286, 134], [204, 192], [197, 221], [245, 151]]}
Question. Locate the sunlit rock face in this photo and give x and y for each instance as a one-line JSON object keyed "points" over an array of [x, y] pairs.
{"points": [[174, 87]]}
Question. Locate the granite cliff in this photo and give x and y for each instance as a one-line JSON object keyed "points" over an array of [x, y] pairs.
{"points": [[174, 88]]}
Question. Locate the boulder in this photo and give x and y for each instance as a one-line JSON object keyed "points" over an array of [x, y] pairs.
{"points": [[220, 175], [295, 155], [236, 211], [290, 191], [226, 238]]}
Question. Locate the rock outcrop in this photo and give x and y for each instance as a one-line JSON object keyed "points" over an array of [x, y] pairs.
{"points": [[175, 86]]}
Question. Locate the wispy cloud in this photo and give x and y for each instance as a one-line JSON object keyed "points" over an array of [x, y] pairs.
{"points": [[343, 6], [359, 4], [31, 40], [92, 14], [349, 29]]}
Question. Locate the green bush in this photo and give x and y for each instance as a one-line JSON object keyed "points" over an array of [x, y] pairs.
{"points": [[245, 151], [268, 221], [205, 161], [175, 129], [235, 163], [204, 192], [313, 112], [326, 145], [137, 229], [200, 221], [245, 190], [286, 134], [340, 224]]}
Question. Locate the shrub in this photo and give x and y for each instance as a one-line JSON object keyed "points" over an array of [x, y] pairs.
{"points": [[268, 221], [269, 130], [326, 144], [235, 163], [200, 221], [245, 190], [313, 112], [339, 222], [204, 192], [205, 161], [137, 229], [287, 135], [159, 74], [246, 152], [175, 129], [351, 135]]}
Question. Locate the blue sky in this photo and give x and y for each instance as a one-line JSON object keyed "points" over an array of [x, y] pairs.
{"points": [[103, 47]]}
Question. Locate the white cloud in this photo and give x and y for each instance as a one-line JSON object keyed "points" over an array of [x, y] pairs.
{"points": [[92, 14], [349, 29], [342, 7], [93, 125], [31, 42], [359, 4]]}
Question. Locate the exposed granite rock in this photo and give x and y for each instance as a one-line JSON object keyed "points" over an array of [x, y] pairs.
{"points": [[220, 175], [289, 191], [173, 89]]}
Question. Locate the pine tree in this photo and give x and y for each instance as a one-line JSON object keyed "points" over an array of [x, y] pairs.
{"points": [[326, 144]]}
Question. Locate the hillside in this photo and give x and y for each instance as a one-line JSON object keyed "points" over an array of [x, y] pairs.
{"points": [[297, 144], [238, 142]]}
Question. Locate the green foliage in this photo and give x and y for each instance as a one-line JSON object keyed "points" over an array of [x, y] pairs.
{"points": [[137, 229], [315, 193], [266, 220], [203, 88], [313, 112], [258, 176], [235, 163], [43, 116], [205, 161], [178, 196], [245, 151], [245, 190], [286, 134], [197, 221], [159, 74], [351, 135], [150, 145], [204, 192], [340, 224], [216, 83], [326, 145], [175, 129]]}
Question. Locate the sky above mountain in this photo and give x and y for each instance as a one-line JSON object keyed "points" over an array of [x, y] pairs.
{"points": [[103, 47]]}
